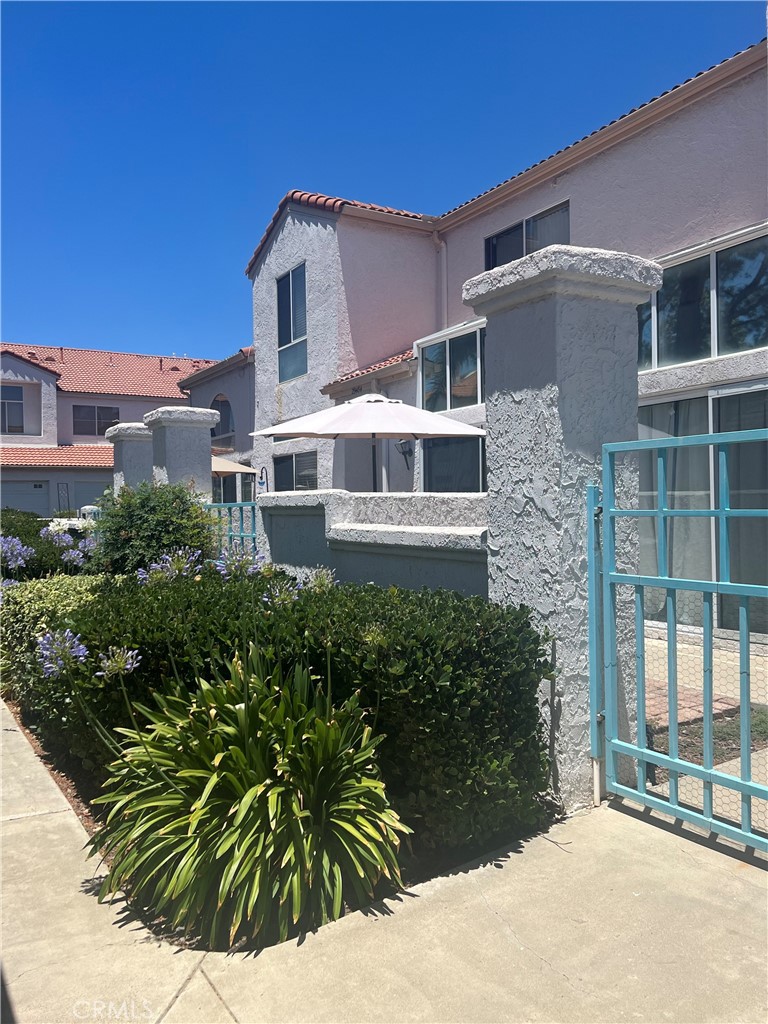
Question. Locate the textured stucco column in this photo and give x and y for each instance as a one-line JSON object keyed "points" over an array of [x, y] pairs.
{"points": [[181, 446], [133, 454], [561, 380]]}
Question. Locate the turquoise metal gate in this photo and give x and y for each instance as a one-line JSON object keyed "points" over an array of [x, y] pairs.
{"points": [[688, 626]]}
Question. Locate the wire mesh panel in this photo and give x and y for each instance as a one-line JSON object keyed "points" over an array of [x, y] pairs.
{"points": [[676, 560]]}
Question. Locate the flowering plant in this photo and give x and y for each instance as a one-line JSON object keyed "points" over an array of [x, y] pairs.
{"points": [[172, 565]]}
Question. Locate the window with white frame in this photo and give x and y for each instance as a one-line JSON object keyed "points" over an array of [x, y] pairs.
{"points": [[451, 369], [692, 483], [713, 305], [552, 227], [94, 420], [296, 472], [12, 408], [292, 324], [223, 434]]}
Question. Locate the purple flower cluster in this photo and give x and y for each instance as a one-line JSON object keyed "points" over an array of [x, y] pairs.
{"points": [[87, 546], [14, 554], [73, 557], [184, 562], [282, 592], [59, 651], [237, 562], [62, 540], [118, 661]]}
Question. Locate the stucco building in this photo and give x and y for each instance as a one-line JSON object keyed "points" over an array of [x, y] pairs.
{"points": [[351, 297], [58, 402]]}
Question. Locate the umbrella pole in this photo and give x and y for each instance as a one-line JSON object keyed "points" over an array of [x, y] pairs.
{"points": [[373, 460]]}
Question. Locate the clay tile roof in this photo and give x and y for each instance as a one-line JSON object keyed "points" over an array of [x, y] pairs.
{"points": [[95, 371], [401, 357], [79, 456], [318, 201], [634, 110]]}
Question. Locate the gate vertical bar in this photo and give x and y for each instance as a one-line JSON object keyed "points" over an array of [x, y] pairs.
{"points": [[596, 690], [642, 738], [745, 712], [708, 696], [610, 667]]}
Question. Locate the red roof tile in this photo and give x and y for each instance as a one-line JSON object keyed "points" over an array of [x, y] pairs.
{"points": [[110, 373], [401, 357], [78, 456], [318, 201]]}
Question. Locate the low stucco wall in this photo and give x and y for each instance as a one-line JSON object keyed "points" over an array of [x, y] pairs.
{"points": [[408, 539]]}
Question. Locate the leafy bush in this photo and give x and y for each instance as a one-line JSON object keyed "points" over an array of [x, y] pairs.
{"points": [[26, 526], [137, 527], [253, 810], [453, 681]]}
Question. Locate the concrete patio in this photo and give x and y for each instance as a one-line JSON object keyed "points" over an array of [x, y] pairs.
{"points": [[608, 917]]}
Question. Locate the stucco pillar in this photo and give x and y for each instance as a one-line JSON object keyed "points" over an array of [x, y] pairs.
{"points": [[181, 446], [133, 454], [561, 380]]}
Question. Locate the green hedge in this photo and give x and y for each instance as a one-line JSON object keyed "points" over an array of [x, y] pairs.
{"points": [[452, 681]]}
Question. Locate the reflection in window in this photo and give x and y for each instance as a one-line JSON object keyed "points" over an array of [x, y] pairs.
{"points": [[552, 227], [683, 311], [224, 431], [452, 372], [742, 296], [296, 472], [454, 464], [433, 377], [94, 420], [292, 324], [678, 327], [12, 409]]}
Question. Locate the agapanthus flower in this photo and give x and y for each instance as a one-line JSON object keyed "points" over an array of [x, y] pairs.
{"points": [[46, 533], [282, 592], [73, 557], [87, 545], [14, 554], [183, 562], [59, 651], [237, 562], [118, 661], [62, 540]]}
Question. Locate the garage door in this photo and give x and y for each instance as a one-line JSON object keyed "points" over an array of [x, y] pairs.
{"points": [[27, 495]]}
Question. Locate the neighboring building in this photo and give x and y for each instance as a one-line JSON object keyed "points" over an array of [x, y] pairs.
{"points": [[56, 406], [351, 297], [229, 386]]}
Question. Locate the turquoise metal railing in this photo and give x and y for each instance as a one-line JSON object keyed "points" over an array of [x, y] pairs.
{"points": [[235, 524], [604, 579]]}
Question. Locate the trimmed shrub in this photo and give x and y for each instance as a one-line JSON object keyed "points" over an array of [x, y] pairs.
{"points": [[137, 527], [452, 681], [251, 811]]}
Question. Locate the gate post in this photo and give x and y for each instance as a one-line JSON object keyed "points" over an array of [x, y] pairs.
{"points": [[561, 380], [181, 446]]}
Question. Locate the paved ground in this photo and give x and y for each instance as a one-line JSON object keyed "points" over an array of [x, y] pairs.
{"points": [[606, 918]]}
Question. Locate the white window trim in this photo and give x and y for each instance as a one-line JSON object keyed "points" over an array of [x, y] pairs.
{"points": [[676, 259], [456, 331], [293, 341]]}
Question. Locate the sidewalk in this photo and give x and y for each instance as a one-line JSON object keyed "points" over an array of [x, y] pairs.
{"points": [[606, 918]]}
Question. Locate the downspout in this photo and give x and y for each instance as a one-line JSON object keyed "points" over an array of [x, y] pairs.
{"points": [[442, 278]]}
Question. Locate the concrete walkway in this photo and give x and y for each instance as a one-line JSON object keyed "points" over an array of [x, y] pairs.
{"points": [[606, 918]]}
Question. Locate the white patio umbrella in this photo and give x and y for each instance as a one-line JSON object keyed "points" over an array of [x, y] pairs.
{"points": [[372, 416]]}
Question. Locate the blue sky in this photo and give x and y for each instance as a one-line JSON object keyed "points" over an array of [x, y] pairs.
{"points": [[146, 145]]}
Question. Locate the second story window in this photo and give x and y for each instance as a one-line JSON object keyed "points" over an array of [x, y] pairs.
{"points": [[552, 227], [93, 420], [12, 406], [713, 305], [452, 371], [223, 434], [292, 324]]}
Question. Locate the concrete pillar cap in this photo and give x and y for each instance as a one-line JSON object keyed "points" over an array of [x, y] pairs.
{"points": [[125, 431], [181, 416], [564, 270]]}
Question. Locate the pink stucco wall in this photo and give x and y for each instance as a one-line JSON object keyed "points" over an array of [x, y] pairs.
{"points": [[390, 283], [696, 175]]}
